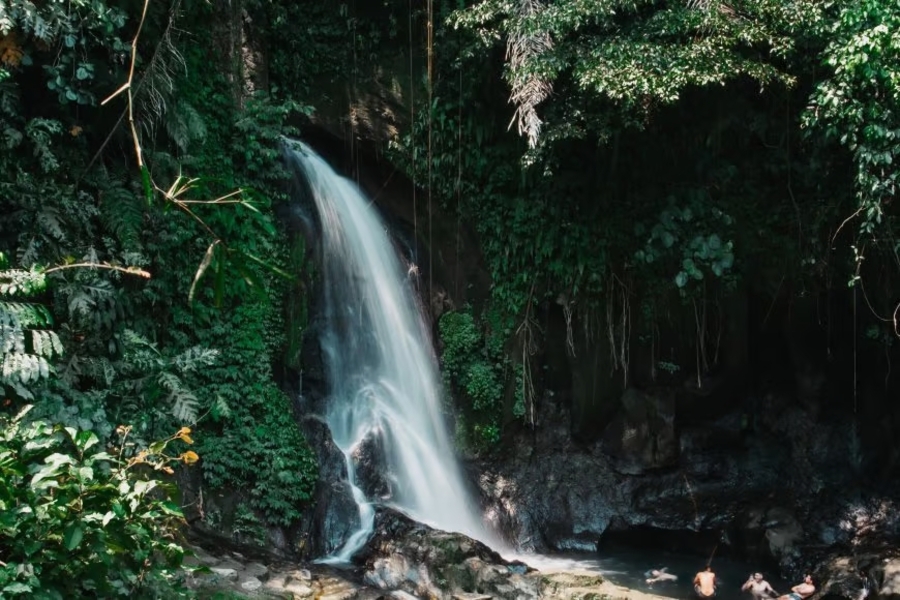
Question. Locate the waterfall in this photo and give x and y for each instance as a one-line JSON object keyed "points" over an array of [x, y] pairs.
{"points": [[377, 351]]}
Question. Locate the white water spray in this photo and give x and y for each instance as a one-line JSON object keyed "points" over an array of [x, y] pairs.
{"points": [[384, 379]]}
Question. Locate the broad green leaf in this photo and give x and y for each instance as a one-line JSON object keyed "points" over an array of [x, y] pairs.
{"points": [[72, 536], [86, 439], [18, 588]]}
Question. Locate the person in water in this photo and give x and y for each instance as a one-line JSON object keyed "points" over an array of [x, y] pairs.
{"points": [[658, 575], [705, 583], [759, 588], [801, 591]]}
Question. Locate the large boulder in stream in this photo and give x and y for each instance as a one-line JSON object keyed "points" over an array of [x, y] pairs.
{"points": [[427, 563], [844, 577]]}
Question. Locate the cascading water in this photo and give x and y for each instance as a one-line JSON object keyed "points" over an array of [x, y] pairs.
{"points": [[384, 380]]}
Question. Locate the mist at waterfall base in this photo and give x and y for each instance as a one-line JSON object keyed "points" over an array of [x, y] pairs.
{"points": [[384, 383]]}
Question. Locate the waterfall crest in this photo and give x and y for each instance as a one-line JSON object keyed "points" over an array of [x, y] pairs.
{"points": [[382, 371]]}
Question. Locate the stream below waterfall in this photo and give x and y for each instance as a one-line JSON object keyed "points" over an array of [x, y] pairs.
{"points": [[627, 567]]}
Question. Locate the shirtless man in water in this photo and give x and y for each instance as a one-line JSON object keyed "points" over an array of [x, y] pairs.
{"points": [[705, 583], [801, 591], [759, 588], [657, 575]]}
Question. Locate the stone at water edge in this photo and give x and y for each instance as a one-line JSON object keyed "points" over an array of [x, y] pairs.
{"points": [[257, 570], [299, 589], [251, 584], [467, 596], [889, 588], [300, 575], [225, 573], [403, 554]]}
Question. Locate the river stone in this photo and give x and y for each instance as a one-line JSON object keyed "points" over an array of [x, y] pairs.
{"points": [[257, 570], [225, 573], [842, 577], [230, 563], [201, 557], [251, 584], [299, 589], [300, 575], [890, 580]]}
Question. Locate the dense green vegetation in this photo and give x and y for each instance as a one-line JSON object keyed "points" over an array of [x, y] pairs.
{"points": [[141, 282], [665, 154], [668, 154], [78, 521]]}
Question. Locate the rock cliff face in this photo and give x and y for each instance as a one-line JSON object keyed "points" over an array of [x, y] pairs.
{"points": [[790, 495]]}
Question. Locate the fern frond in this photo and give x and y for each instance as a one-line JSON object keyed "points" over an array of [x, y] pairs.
{"points": [[11, 138], [19, 281], [220, 408], [26, 368], [169, 381], [19, 364], [96, 301], [185, 406], [24, 314], [45, 343], [122, 210], [40, 132], [12, 339], [184, 125], [72, 370], [195, 357], [50, 223]]}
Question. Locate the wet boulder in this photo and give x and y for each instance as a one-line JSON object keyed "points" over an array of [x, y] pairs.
{"points": [[372, 475], [887, 579], [427, 563], [841, 577], [334, 515]]}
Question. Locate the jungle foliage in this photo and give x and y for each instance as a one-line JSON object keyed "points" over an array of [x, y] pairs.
{"points": [[141, 269], [635, 162], [665, 154]]}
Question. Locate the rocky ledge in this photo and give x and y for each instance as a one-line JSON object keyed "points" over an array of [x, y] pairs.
{"points": [[403, 560]]}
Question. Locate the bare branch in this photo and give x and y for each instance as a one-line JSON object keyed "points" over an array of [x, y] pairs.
{"points": [[129, 270]]}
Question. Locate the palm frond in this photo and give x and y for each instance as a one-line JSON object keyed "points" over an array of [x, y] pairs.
{"points": [[529, 88]]}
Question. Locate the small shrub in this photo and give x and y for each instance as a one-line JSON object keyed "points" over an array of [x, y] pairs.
{"points": [[79, 522]]}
